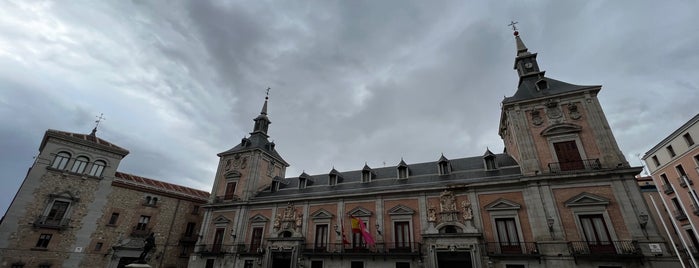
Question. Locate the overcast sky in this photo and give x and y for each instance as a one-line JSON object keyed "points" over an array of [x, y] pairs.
{"points": [[352, 81]]}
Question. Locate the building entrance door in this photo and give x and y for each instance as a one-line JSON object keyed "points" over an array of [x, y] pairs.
{"points": [[281, 260], [454, 260]]}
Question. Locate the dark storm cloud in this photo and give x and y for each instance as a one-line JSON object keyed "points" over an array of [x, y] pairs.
{"points": [[352, 81]]}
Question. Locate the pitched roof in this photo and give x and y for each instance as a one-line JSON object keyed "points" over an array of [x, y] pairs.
{"points": [[527, 89], [468, 169], [85, 139], [161, 186], [257, 141]]}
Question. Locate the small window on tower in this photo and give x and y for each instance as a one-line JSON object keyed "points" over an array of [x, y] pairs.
{"points": [[542, 85]]}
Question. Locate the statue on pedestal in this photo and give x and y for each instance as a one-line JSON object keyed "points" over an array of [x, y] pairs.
{"points": [[147, 248]]}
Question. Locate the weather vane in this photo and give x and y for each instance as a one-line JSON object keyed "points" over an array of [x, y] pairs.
{"points": [[513, 24], [268, 88], [99, 119]]}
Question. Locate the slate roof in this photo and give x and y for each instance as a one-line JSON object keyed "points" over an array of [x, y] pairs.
{"points": [[87, 139], [161, 186], [463, 170], [257, 141], [527, 89]]}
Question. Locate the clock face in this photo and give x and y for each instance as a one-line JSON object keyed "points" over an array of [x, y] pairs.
{"points": [[528, 65]]}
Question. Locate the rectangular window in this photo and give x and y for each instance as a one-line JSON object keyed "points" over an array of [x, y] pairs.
{"points": [[316, 264], [507, 235], [321, 236], [189, 231], [142, 223], [357, 240], [670, 151], [209, 263], [680, 170], [184, 250], [664, 178], [58, 210], [195, 210], [98, 246], [230, 191], [357, 264], [596, 234], [218, 240], [333, 180], [113, 219], [302, 183], [568, 156], [256, 241], [401, 264], [688, 139], [43, 241], [655, 161], [248, 264], [402, 234]]}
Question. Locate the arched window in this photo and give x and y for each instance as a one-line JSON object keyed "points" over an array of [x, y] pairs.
{"points": [[97, 168], [80, 164], [61, 160]]}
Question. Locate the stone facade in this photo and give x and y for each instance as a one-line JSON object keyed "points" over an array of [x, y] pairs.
{"points": [[75, 210], [562, 195]]}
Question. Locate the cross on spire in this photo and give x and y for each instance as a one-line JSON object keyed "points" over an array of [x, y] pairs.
{"points": [[513, 25]]}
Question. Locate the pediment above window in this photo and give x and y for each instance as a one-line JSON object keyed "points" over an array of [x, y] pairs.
{"points": [[503, 204], [221, 220], [586, 199], [259, 218], [66, 195], [559, 129], [232, 175], [321, 214], [360, 212], [401, 210]]}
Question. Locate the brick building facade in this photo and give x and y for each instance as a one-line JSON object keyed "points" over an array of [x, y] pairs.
{"points": [[74, 209]]}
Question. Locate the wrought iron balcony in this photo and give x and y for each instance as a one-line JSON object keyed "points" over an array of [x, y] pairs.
{"points": [[394, 249], [255, 248], [598, 249], [668, 189], [212, 249], [51, 222], [517, 249], [683, 182], [226, 198], [586, 164], [679, 215], [189, 237]]}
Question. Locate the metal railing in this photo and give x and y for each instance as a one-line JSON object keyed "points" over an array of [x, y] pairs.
{"points": [[586, 164], [617, 248], [189, 237], [51, 222], [140, 232], [682, 178], [219, 249], [507, 248], [679, 215], [225, 198], [378, 248], [668, 189]]}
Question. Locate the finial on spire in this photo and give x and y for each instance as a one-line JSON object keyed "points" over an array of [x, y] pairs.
{"points": [[513, 24], [264, 107], [97, 123]]}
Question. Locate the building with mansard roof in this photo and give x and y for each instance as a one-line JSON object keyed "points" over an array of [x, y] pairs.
{"points": [[74, 209], [562, 194]]}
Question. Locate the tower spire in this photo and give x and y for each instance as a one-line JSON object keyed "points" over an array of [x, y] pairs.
{"points": [[262, 121], [525, 61]]}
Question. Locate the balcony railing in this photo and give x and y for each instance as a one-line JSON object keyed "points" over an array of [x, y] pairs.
{"points": [[225, 198], [189, 237], [394, 249], [679, 215], [608, 248], [512, 249], [586, 164], [139, 231], [668, 189], [220, 249], [51, 223], [682, 181]]}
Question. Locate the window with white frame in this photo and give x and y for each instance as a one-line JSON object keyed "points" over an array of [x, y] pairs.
{"points": [[321, 236], [61, 160], [80, 164], [97, 168]]}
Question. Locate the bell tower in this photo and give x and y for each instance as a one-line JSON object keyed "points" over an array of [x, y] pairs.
{"points": [[550, 126], [250, 166]]}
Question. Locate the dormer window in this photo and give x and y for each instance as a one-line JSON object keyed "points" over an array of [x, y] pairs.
{"points": [[302, 183], [61, 160], [275, 186], [443, 166], [80, 164], [402, 172], [490, 163], [332, 180], [542, 85], [366, 176]]}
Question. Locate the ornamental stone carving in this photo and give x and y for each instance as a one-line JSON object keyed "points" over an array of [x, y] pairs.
{"points": [[447, 202], [536, 118], [290, 219], [574, 113]]}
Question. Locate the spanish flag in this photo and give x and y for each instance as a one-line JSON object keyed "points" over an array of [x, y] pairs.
{"points": [[361, 228]]}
